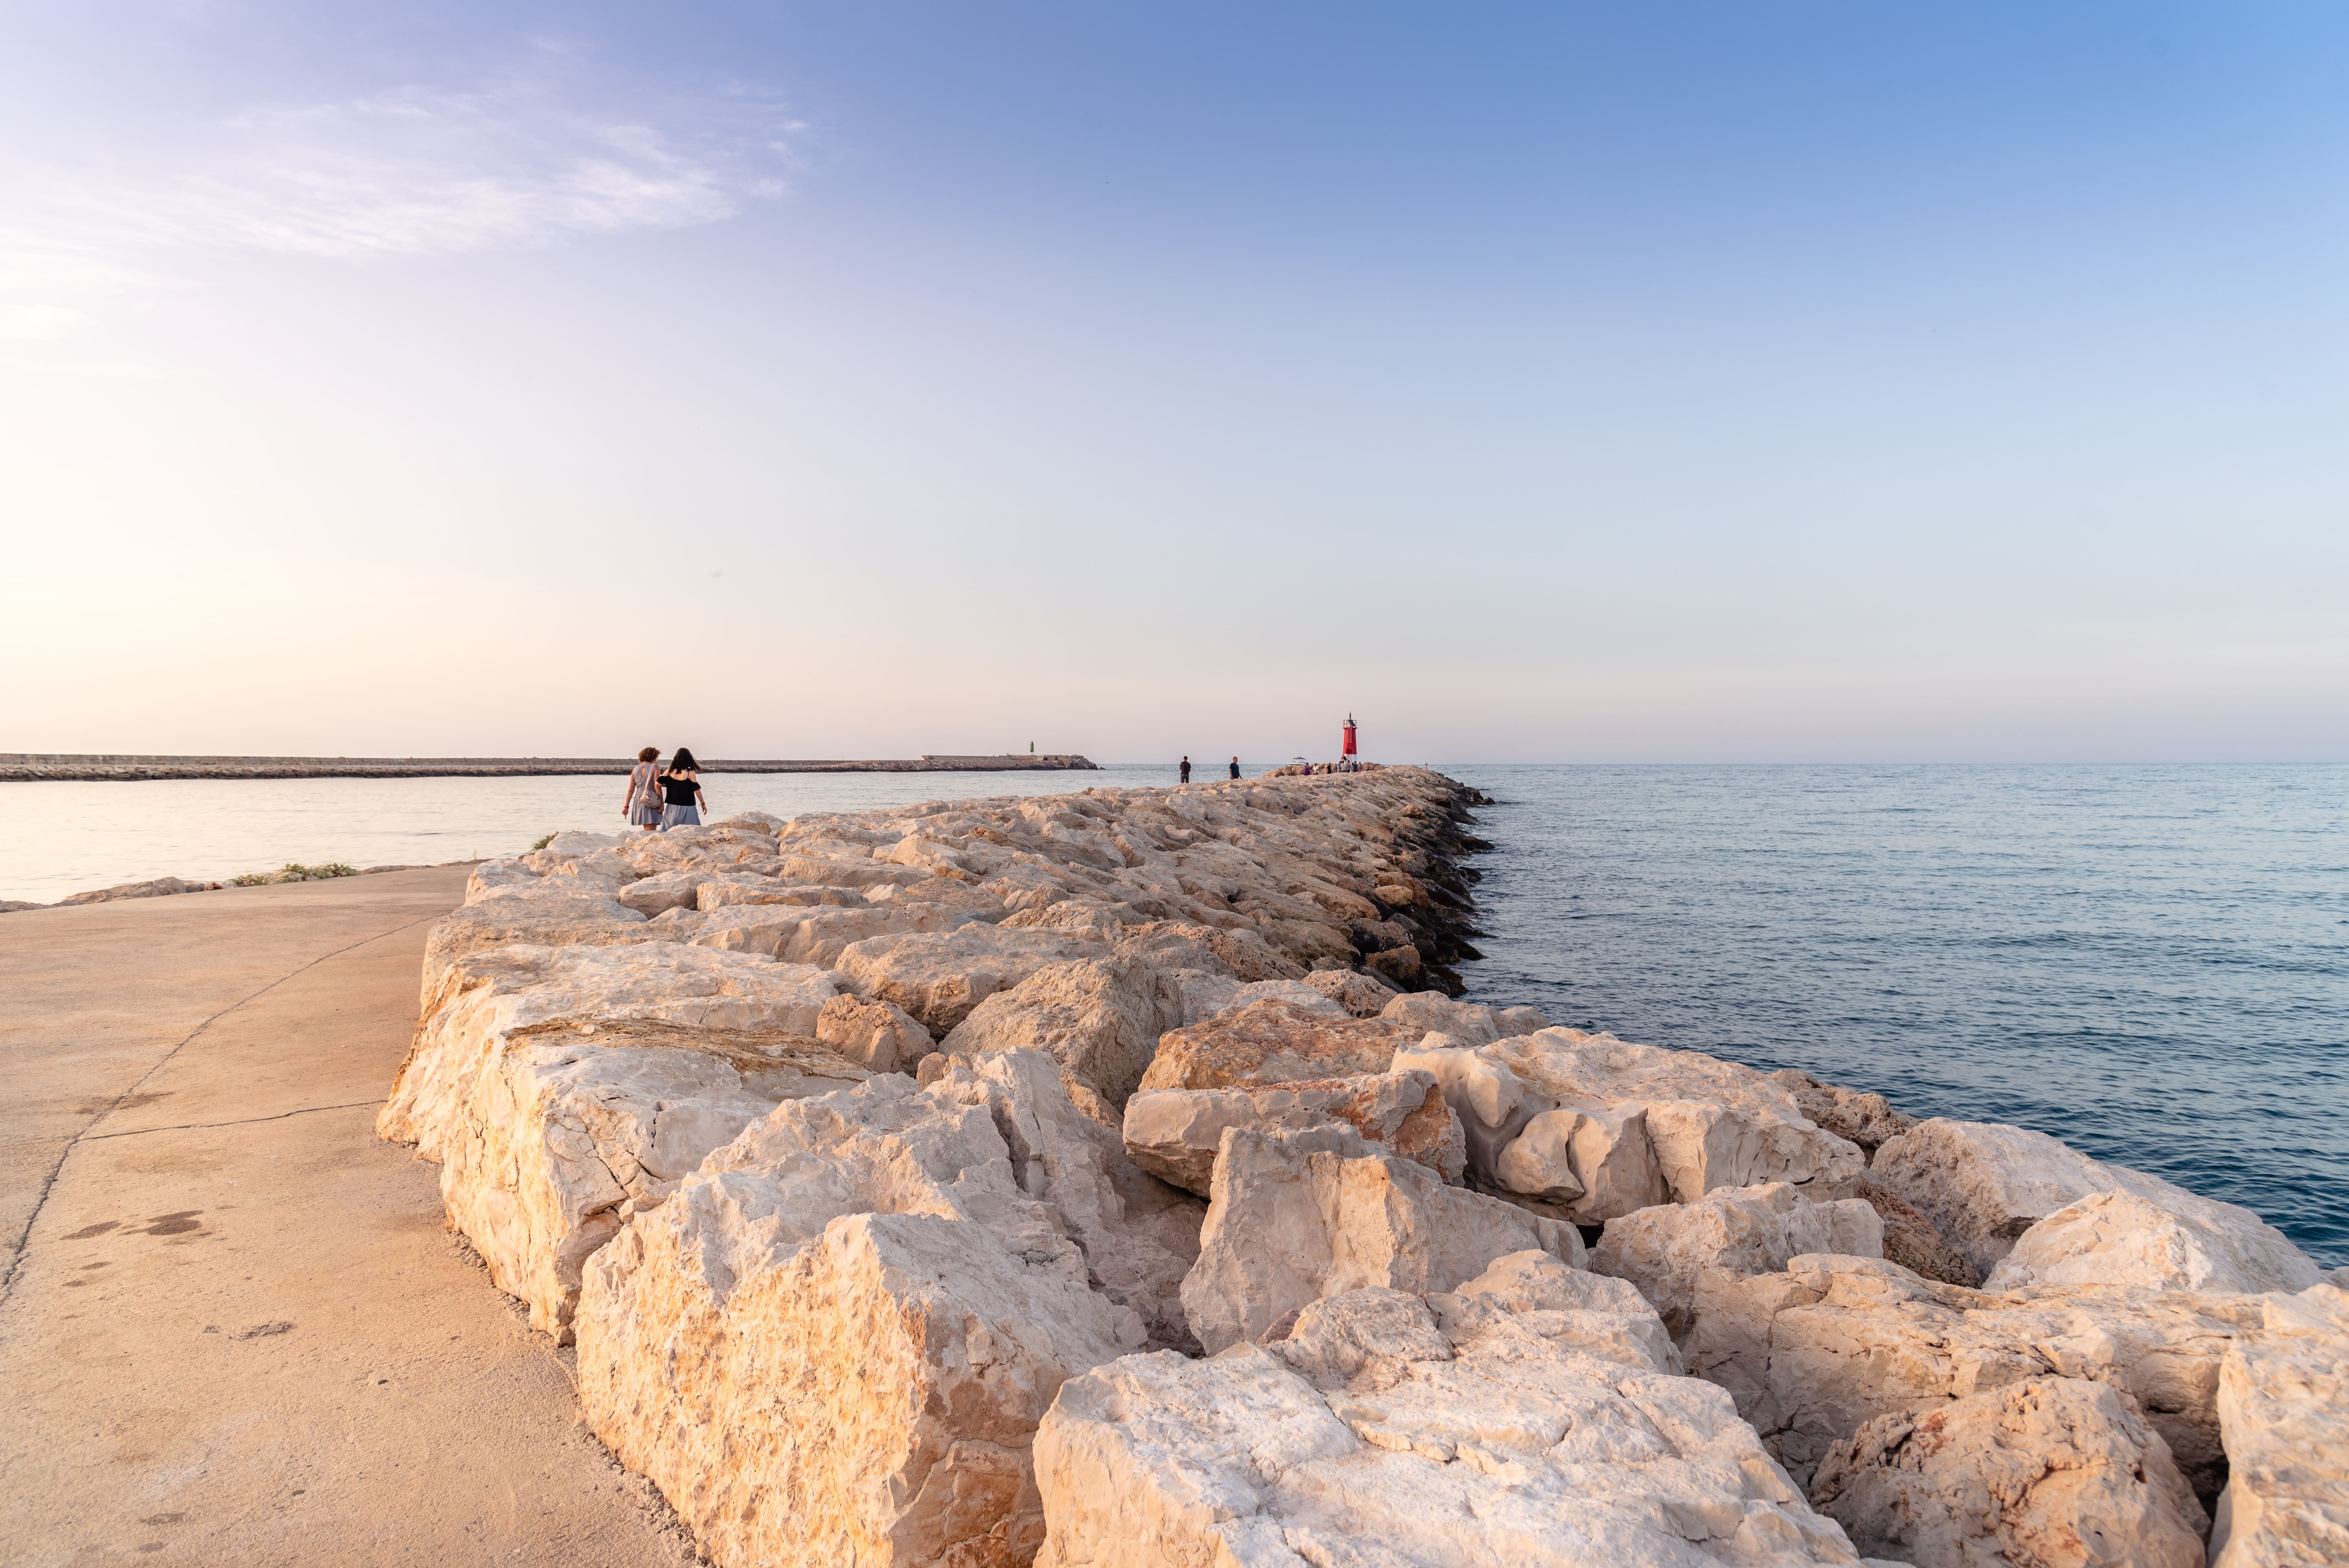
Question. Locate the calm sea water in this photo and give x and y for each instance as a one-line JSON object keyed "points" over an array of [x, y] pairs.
{"points": [[2150, 963]]}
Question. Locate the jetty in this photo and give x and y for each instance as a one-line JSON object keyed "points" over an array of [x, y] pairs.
{"points": [[28, 767]]}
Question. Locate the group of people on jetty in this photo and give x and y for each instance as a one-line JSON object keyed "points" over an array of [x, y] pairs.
{"points": [[661, 798]]}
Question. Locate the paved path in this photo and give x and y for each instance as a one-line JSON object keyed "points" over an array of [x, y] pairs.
{"points": [[232, 1328]]}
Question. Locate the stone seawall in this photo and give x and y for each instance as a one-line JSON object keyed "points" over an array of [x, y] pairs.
{"points": [[27, 767], [1114, 1178]]}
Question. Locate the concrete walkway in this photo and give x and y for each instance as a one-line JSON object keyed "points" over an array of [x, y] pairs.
{"points": [[232, 1328]]}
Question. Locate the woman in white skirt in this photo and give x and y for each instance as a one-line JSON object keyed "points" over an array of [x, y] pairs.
{"points": [[643, 806], [681, 791]]}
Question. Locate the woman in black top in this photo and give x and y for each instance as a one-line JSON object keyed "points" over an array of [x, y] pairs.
{"points": [[681, 795]]}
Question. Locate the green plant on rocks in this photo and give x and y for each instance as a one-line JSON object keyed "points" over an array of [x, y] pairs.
{"points": [[542, 843], [295, 872]]}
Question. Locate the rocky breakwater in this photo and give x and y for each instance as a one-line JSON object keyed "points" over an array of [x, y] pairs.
{"points": [[1071, 1180]]}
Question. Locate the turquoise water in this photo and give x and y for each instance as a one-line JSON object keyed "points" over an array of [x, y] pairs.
{"points": [[2152, 964]]}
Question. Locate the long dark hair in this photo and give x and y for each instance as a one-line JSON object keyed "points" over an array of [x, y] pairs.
{"points": [[683, 761]]}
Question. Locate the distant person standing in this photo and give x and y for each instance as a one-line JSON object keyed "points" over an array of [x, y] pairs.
{"points": [[643, 806], [681, 791], [1186, 772], [1236, 767]]}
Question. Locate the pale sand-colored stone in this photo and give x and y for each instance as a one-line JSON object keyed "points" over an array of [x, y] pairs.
{"points": [[1832, 1342], [2054, 1470], [1361, 996], [1294, 1217], [1100, 1018], [1984, 1185], [1914, 1242], [878, 1035], [833, 1344], [554, 919], [1745, 1230], [800, 934], [2282, 1395], [941, 977], [2121, 1238], [1432, 1012], [1868, 1121], [1529, 1418], [1274, 1042], [561, 1088], [1174, 1133]]}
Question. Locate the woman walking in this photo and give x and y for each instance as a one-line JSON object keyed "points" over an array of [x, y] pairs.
{"points": [[681, 791], [643, 806]]}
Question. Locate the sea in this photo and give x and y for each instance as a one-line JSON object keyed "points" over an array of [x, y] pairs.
{"points": [[2150, 963]]}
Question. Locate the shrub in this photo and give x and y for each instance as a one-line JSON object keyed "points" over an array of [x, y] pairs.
{"points": [[543, 842], [295, 872], [253, 879]]}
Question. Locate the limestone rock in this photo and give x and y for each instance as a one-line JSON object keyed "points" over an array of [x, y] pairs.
{"points": [[1745, 1230], [1361, 996], [538, 921], [799, 934], [2281, 1395], [1398, 965], [1293, 1217], [940, 977], [1983, 1184], [2119, 1238], [1527, 1419], [1175, 1133], [1425, 1012], [1140, 1235], [877, 1036], [650, 895], [1910, 1239], [1275, 1042], [1832, 1342], [2049, 1471], [562, 1088], [1520, 1020], [158, 887], [1098, 1018], [1866, 1120], [833, 1344]]}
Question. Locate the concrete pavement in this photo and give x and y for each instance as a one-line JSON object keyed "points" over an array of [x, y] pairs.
{"points": [[232, 1328]]}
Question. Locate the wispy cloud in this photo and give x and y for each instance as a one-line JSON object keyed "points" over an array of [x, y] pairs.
{"points": [[417, 169]]}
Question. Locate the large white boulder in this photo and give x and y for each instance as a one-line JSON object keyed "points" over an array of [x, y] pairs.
{"points": [[1175, 1133], [2048, 1470], [2282, 1397], [832, 1344], [1294, 1217], [941, 977], [799, 934], [1531, 1418], [1986, 1185], [1099, 1017], [1745, 1230], [1273, 1041], [563, 1089], [878, 1035], [1831, 1342]]}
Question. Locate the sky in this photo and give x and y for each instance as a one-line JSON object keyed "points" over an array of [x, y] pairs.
{"points": [[1667, 382]]}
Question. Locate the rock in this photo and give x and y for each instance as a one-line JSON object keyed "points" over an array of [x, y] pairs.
{"points": [[2049, 1471], [1358, 995], [1140, 1235], [1427, 1011], [1520, 1021], [1596, 1128], [12, 905], [941, 977], [1832, 1342], [1910, 1239], [1293, 1217], [2280, 1398], [650, 895], [1175, 1133], [2119, 1238], [713, 894], [160, 887], [876, 1036], [1866, 1120], [1275, 1042], [552, 921], [1401, 966], [1528, 1418], [833, 1344], [799, 934], [1098, 1018], [1983, 1184], [561, 1089], [1744, 1229]]}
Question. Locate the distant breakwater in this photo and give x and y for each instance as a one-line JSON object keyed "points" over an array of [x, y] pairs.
{"points": [[26, 767]]}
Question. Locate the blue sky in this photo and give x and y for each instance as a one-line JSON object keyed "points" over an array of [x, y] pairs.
{"points": [[1674, 382]]}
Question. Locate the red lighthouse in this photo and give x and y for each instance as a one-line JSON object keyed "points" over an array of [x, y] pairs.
{"points": [[1347, 748]]}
